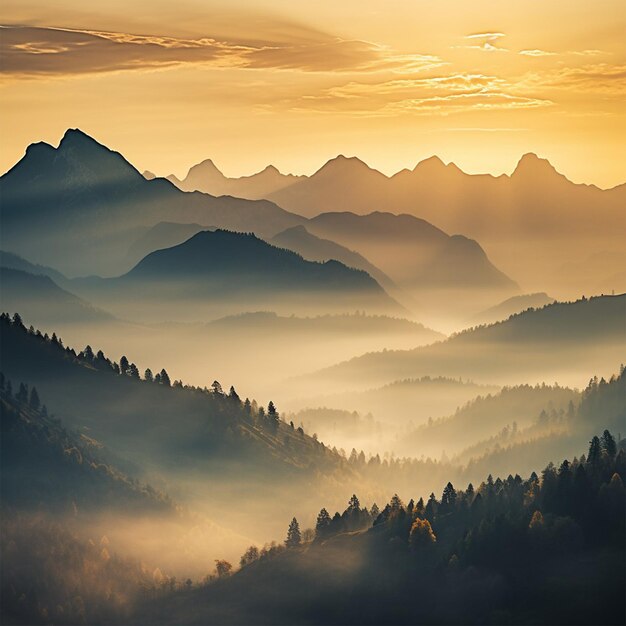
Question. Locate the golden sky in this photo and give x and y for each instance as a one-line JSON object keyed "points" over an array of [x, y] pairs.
{"points": [[294, 83]]}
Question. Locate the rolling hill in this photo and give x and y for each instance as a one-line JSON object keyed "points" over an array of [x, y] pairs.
{"points": [[510, 306], [561, 340], [222, 272]]}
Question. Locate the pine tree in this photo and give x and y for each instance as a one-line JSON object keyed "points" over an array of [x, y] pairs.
{"points": [[595, 452], [448, 498], [147, 376], [165, 379], [293, 534], [22, 394], [354, 504], [272, 415], [608, 444], [323, 523], [123, 365], [34, 399]]}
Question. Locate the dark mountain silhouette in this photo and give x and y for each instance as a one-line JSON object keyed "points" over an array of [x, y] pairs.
{"points": [[206, 177], [300, 240], [43, 302], [227, 271], [416, 254], [562, 339], [162, 235], [510, 306], [88, 199]]}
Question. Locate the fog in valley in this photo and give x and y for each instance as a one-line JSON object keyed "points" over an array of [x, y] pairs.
{"points": [[296, 399]]}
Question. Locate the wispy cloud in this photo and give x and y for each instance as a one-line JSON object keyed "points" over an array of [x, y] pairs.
{"points": [[537, 53], [33, 51], [600, 78], [439, 95], [485, 41]]}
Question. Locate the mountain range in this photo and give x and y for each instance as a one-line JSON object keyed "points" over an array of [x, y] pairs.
{"points": [[532, 221], [221, 272], [84, 197], [207, 178]]}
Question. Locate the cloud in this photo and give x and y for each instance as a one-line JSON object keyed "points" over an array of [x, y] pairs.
{"points": [[491, 36], [600, 78], [537, 53], [34, 51], [487, 42], [443, 95]]}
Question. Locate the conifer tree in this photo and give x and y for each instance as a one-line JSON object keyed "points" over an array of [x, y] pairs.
{"points": [[293, 534]]}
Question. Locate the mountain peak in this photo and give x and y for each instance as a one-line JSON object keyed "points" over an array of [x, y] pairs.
{"points": [[75, 137], [342, 164], [531, 164], [435, 164]]}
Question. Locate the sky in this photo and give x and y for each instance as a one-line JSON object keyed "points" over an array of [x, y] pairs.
{"points": [[251, 83]]}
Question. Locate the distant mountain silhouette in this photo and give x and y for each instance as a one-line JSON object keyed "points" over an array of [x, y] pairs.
{"points": [[416, 254], [240, 271], [87, 199], [562, 338], [535, 197], [206, 177], [43, 302], [300, 240], [16, 262], [510, 306]]}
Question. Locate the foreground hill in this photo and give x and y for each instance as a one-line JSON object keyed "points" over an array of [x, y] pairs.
{"points": [[133, 416], [537, 550], [83, 197], [46, 466], [224, 272], [562, 340]]}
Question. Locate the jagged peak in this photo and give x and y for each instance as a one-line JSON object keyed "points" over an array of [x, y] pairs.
{"points": [[533, 164], [433, 164], [76, 137]]}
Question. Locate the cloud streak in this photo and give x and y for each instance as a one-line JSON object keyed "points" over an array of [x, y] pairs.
{"points": [[438, 95], [34, 51]]}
